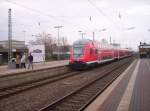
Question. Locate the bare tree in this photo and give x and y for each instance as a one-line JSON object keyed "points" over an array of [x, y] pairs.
{"points": [[50, 43], [64, 44]]}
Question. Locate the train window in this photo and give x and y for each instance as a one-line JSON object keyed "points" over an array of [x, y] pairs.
{"points": [[78, 51]]}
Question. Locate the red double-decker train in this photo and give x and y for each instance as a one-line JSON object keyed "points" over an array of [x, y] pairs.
{"points": [[87, 52]]}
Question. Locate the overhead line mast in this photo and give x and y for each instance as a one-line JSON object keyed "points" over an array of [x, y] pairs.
{"points": [[9, 35], [45, 14]]}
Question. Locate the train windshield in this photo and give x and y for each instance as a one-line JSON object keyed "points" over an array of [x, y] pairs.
{"points": [[78, 51]]}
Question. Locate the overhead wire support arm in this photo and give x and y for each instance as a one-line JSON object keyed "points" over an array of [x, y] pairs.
{"points": [[102, 13], [45, 14], [9, 35]]}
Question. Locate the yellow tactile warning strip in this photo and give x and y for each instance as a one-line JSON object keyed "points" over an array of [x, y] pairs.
{"points": [[148, 65]]}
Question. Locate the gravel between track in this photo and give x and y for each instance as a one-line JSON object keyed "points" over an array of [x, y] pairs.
{"points": [[32, 76]]}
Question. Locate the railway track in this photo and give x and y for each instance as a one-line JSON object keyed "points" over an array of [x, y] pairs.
{"points": [[27, 72], [9, 81], [78, 99], [11, 90]]}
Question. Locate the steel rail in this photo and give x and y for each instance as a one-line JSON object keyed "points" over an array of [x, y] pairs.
{"points": [[9, 91], [30, 71], [74, 98]]}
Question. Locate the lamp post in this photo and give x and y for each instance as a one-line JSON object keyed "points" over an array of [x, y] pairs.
{"points": [[9, 35], [82, 33], [24, 35], [58, 28], [93, 33]]}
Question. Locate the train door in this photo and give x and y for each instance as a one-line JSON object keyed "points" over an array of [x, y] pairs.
{"points": [[93, 53]]}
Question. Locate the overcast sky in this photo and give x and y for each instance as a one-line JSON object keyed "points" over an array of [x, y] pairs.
{"points": [[126, 21]]}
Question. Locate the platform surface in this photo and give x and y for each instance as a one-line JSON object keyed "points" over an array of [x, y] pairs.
{"points": [[129, 92], [4, 70]]}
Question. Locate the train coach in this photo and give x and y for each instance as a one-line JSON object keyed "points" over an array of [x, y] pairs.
{"points": [[87, 52]]}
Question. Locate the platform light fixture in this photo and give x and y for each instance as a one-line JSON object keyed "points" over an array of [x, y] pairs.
{"points": [[58, 43]]}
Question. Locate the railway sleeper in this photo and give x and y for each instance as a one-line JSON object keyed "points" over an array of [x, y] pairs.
{"points": [[68, 107], [3, 93], [87, 93], [92, 90], [69, 104], [74, 101], [79, 98], [63, 109]]}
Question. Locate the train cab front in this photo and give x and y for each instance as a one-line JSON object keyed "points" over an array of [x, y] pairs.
{"points": [[77, 56]]}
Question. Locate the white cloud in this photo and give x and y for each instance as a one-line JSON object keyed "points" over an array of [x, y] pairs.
{"points": [[74, 15], [140, 10]]}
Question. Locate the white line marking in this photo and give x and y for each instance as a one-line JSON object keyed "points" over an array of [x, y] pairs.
{"points": [[104, 96], [148, 65], [125, 101]]}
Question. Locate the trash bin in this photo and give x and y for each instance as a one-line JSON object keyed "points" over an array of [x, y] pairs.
{"points": [[12, 64]]}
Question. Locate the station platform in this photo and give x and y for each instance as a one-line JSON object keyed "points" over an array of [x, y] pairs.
{"points": [[129, 92], [4, 70]]}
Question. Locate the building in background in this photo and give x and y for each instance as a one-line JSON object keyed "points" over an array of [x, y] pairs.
{"points": [[18, 47], [144, 50], [15, 44]]}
